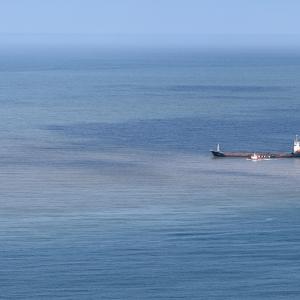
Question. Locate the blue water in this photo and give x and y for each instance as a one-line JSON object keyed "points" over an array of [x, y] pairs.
{"points": [[108, 190]]}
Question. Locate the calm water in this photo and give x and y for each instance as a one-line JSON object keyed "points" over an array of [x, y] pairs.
{"points": [[107, 187]]}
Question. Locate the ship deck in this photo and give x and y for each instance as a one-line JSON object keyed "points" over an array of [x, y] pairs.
{"points": [[248, 154]]}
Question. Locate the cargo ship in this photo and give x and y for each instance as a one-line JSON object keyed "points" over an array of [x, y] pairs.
{"points": [[260, 155]]}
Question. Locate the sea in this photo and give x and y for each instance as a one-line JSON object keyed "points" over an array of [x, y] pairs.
{"points": [[107, 186]]}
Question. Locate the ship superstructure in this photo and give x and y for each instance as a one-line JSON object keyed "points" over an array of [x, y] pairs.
{"points": [[296, 147]]}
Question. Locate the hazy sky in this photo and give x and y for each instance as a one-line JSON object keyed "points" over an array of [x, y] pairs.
{"points": [[161, 20]]}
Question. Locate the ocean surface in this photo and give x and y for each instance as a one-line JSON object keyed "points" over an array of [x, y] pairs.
{"points": [[108, 189]]}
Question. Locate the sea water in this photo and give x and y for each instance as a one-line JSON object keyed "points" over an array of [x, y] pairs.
{"points": [[108, 189]]}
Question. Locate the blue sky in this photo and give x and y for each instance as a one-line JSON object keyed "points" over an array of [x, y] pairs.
{"points": [[179, 21]]}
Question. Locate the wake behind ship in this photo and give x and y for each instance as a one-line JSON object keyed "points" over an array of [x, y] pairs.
{"points": [[260, 155]]}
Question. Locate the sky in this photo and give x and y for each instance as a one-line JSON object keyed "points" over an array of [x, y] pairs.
{"points": [[152, 21]]}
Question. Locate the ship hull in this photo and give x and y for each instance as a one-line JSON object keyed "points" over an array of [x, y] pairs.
{"points": [[261, 154]]}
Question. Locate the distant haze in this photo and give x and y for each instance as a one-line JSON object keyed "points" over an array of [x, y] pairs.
{"points": [[144, 22]]}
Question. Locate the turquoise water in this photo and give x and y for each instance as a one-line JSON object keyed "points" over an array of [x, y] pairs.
{"points": [[108, 190]]}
